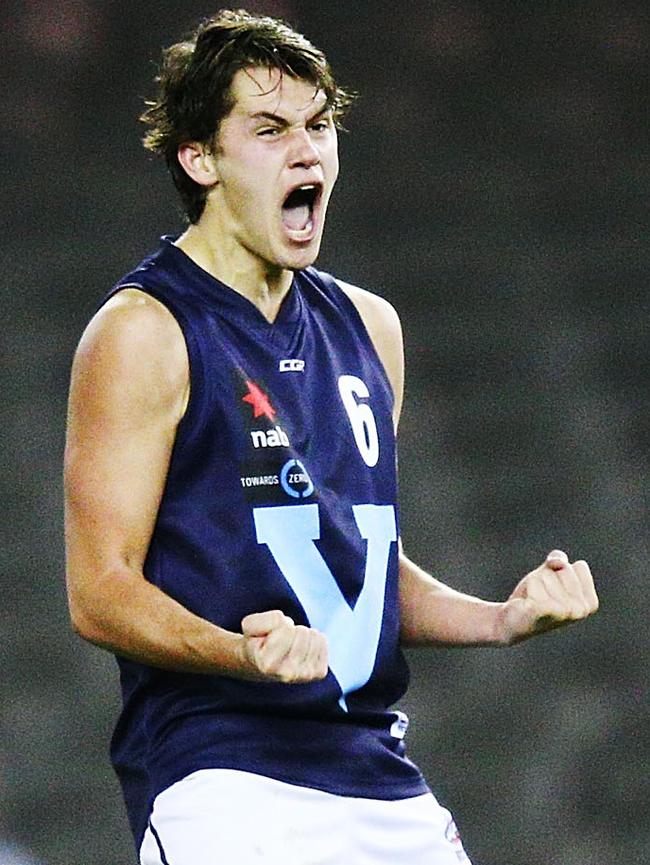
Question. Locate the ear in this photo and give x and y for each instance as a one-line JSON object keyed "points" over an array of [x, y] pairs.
{"points": [[198, 162]]}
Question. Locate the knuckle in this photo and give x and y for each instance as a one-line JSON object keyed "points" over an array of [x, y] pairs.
{"points": [[280, 620], [277, 619], [271, 619], [264, 667], [284, 672]]}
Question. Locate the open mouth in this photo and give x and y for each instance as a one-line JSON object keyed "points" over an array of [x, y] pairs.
{"points": [[299, 207]]}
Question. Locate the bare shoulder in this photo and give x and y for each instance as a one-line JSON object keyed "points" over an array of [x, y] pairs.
{"points": [[383, 325], [132, 318], [379, 316], [133, 343]]}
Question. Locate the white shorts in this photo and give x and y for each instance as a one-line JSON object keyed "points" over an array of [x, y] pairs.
{"points": [[227, 817]]}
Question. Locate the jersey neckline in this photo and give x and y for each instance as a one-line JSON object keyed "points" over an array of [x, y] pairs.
{"points": [[213, 289]]}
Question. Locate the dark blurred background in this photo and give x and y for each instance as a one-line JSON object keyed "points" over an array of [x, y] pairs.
{"points": [[495, 187]]}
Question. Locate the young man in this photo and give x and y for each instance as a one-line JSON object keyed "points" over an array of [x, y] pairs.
{"points": [[231, 497]]}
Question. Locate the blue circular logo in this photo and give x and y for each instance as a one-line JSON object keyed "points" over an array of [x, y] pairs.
{"points": [[295, 480]]}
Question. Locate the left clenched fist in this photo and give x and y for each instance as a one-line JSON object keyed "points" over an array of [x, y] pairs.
{"points": [[556, 593]]}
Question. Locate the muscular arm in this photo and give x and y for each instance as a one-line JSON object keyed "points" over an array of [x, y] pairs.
{"points": [[555, 594], [128, 392], [431, 613]]}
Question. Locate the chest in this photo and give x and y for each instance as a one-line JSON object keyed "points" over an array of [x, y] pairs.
{"points": [[309, 404]]}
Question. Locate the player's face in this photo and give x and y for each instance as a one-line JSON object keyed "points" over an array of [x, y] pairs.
{"points": [[277, 163]]}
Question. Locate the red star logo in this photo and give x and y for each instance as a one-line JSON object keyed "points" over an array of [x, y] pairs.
{"points": [[259, 400]]}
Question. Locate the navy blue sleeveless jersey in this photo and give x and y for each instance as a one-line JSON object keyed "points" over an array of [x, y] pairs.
{"points": [[281, 494]]}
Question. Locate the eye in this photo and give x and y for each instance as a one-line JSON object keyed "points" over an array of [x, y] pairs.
{"points": [[268, 132], [320, 126]]}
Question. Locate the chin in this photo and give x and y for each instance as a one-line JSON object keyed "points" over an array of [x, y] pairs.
{"points": [[305, 261], [298, 259]]}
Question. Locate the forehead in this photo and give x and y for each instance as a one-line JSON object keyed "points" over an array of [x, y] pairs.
{"points": [[257, 89]]}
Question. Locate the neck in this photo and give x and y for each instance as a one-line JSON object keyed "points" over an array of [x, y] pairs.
{"points": [[223, 257]]}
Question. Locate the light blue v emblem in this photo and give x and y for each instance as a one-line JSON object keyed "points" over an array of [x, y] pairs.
{"points": [[352, 631]]}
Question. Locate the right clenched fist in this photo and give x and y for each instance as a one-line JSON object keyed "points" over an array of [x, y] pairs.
{"points": [[278, 650]]}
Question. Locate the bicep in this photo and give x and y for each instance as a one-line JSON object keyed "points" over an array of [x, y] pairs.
{"points": [[126, 398]]}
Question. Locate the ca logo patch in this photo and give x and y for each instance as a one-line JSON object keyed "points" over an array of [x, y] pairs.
{"points": [[292, 364]]}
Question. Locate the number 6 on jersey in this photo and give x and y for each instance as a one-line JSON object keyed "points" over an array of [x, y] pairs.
{"points": [[361, 417]]}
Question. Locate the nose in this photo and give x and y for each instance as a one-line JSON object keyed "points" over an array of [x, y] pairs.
{"points": [[303, 153]]}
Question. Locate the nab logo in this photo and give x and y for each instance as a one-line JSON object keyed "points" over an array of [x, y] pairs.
{"points": [[273, 438], [292, 365]]}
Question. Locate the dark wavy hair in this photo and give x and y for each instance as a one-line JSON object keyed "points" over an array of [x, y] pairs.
{"points": [[194, 85]]}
